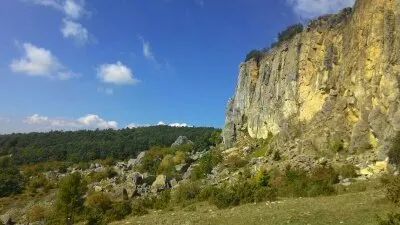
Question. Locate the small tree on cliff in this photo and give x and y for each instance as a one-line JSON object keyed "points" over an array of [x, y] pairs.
{"points": [[394, 151], [70, 197]]}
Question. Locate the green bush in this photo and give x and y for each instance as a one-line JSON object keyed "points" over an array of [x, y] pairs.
{"points": [[394, 151], [290, 32], [254, 54], [138, 209], [39, 182], [99, 176], [392, 186], [240, 193], [206, 164], [392, 219], [11, 180], [234, 162], [348, 171], [299, 183], [186, 192]]}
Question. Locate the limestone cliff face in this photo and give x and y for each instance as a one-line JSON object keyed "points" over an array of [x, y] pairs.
{"points": [[336, 82]]}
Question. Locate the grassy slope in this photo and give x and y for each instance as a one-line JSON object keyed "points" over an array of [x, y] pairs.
{"points": [[354, 208]]}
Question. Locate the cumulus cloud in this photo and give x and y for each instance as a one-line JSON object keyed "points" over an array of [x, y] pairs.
{"points": [[41, 62], [307, 9], [76, 31], [116, 73], [89, 121]]}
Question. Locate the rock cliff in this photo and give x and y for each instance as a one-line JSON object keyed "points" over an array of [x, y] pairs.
{"points": [[335, 85]]}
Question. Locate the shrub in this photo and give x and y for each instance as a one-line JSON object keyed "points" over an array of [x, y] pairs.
{"points": [[119, 211], [254, 54], [38, 182], [161, 201], [36, 213], [262, 178], [392, 219], [207, 192], [11, 180], [99, 176], [277, 156], [394, 151], [138, 209], [348, 171], [298, 183], [206, 164], [234, 162], [392, 185], [186, 192], [290, 32], [240, 193], [70, 197]]}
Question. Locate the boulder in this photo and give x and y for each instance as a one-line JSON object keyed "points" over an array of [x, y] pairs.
{"points": [[173, 183], [7, 220], [133, 162], [137, 178], [181, 140], [161, 183], [182, 168]]}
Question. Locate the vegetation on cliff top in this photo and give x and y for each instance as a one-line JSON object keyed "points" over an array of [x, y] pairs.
{"points": [[283, 36]]}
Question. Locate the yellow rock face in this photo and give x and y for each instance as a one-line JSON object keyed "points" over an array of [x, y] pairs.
{"points": [[339, 78]]}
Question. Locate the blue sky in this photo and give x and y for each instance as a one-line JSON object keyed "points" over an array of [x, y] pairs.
{"points": [[75, 64]]}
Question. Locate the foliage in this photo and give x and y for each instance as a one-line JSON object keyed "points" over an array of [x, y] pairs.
{"points": [[290, 32], [392, 219], [186, 192], [348, 171], [11, 181], [70, 197], [138, 209], [254, 54], [262, 178], [241, 193], [36, 213], [206, 164], [39, 182], [234, 162], [84, 146], [299, 183], [99, 176], [394, 151], [277, 156], [392, 186]]}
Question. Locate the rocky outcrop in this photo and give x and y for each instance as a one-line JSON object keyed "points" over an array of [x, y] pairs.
{"points": [[181, 140], [336, 83]]}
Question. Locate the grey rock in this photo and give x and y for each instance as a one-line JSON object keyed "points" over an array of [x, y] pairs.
{"points": [[181, 140], [182, 168], [161, 183]]}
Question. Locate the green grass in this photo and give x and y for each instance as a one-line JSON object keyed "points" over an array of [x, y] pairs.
{"points": [[351, 208]]}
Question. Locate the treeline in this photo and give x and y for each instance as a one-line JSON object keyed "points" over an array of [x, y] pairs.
{"points": [[83, 146]]}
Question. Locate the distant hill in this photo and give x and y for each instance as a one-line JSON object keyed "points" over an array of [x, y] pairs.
{"points": [[85, 145]]}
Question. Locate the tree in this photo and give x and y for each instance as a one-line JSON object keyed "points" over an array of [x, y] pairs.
{"points": [[70, 197], [11, 181]]}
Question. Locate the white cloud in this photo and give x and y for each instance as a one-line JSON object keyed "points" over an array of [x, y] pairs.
{"points": [[116, 73], [134, 125], [161, 123], [307, 9], [178, 125], [73, 9], [40, 62], [74, 30], [95, 121], [146, 50], [90, 121]]}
